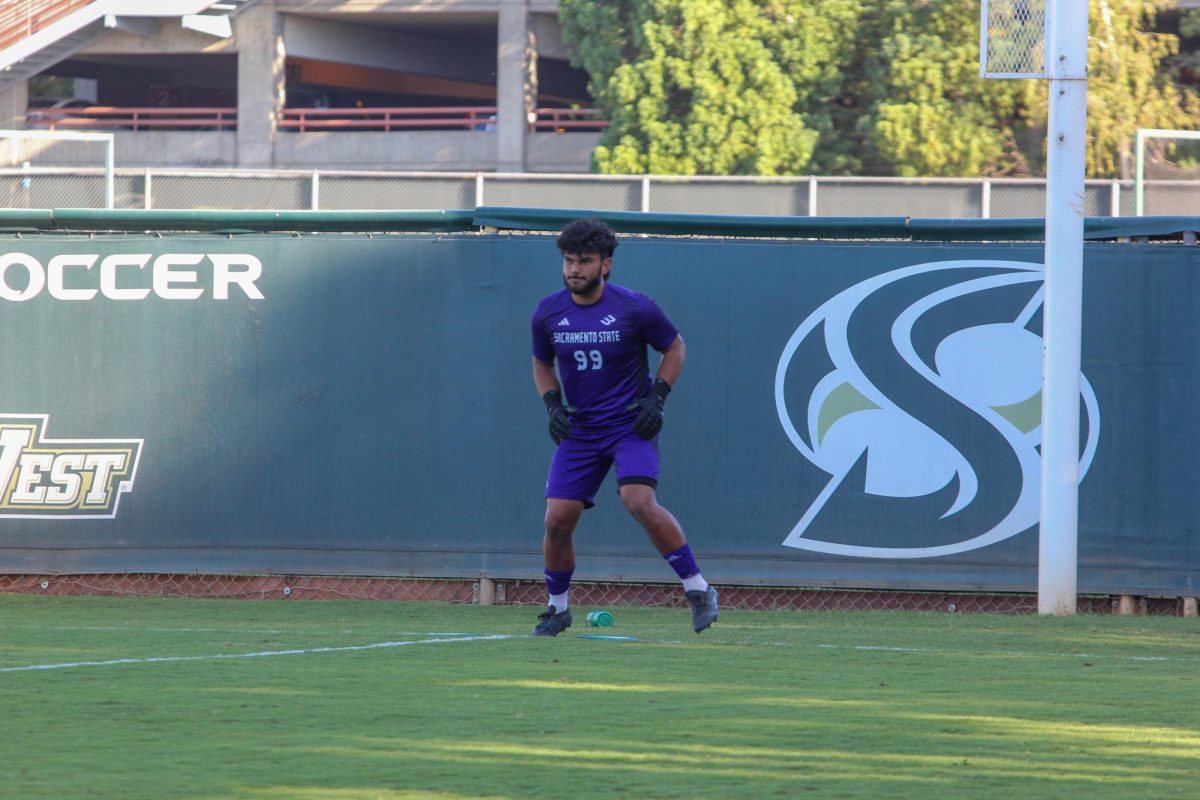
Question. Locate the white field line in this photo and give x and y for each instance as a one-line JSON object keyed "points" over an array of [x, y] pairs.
{"points": [[138, 628], [881, 647], [260, 654], [936, 651], [932, 651], [144, 629], [451, 637], [1003, 653]]}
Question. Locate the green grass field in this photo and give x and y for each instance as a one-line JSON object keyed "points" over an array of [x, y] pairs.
{"points": [[170, 698]]}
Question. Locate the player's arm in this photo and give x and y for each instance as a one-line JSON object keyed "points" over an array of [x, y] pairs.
{"points": [[672, 362], [650, 408], [546, 381], [544, 377]]}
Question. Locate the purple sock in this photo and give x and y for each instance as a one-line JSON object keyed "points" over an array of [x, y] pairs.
{"points": [[683, 562], [558, 582]]}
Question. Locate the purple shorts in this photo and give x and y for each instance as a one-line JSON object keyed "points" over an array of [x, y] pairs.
{"points": [[581, 462]]}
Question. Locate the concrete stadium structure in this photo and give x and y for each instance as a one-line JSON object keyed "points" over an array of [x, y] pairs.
{"points": [[262, 58], [401, 85]]}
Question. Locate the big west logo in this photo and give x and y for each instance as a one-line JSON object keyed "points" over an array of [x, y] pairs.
{"points": [[41, 477]]}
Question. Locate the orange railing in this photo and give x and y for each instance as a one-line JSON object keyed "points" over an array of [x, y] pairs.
{"points": [[135, 119], [569, 119], [20, 19], [386, 119], [304, 120]]}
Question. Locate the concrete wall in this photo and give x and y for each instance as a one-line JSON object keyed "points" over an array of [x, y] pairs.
{"points": [[362, 45], [559, 152], [176, 149], [469, 151], [355, 33], [13, 102], [169, 37], [444, 150], [261, 83], [351, 8], [472, 151]]}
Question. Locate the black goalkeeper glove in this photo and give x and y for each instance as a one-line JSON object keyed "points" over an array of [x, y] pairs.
{"points": [[560, 416], [650, 410]]}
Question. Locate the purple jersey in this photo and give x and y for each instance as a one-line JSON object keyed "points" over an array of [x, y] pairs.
{"points": [[601, 351]]}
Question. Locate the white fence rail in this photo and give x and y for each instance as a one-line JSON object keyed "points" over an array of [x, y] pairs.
{"points": [[57, 187]]}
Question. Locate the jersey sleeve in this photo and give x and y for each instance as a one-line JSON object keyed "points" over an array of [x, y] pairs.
{"points": [[543, 348], [654, 326]]}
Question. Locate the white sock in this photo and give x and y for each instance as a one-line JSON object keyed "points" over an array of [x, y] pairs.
{"points": [[696, 583], [559, 601]]}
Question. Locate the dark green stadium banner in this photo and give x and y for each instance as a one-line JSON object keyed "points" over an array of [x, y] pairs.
{"points": [[857, 414]]}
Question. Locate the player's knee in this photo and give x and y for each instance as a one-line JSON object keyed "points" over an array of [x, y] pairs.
{"points": [[559, 527], [639, 501], [558, 532]]}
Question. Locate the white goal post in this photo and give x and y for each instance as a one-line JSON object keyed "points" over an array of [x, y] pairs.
{"points": [[1139, 174], [1048, 39], [22, 149]]}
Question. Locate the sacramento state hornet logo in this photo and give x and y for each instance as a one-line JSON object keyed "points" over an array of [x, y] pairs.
{"points": [[918, 392]]}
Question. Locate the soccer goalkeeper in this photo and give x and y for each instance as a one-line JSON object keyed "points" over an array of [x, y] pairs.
{"points": [[598, 333]]}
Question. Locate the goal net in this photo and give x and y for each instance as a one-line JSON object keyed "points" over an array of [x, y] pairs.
{"points": [[1012, 39], [1166, 172], [56, 169]]}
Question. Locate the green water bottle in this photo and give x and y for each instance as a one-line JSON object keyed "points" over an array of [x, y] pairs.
{"points": [[599, 619]]}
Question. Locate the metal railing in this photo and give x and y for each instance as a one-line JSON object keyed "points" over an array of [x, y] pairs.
{"points": [[386, 119], [237, 189], [569, 119], [20, 19], [131, 119], [302, 120]]}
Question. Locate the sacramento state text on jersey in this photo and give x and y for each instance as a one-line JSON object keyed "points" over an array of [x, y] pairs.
{"points": [[586, 337]]}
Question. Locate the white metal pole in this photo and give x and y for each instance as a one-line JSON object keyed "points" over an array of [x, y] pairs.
{"points": [[1058, 544], [109, 175], [1139, 173]]}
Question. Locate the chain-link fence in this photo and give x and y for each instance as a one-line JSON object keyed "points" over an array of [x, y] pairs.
{"points": [[349, 191], [1172, 198], [288, 190], [730, 196], [563, 191], [533, 593], [45, 188]]}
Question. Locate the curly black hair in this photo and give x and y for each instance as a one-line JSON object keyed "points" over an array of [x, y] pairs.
{"points": [[587, 236]]}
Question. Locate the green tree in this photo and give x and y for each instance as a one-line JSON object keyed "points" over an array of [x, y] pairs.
{"points": [[601, 35], [933, 115], [817, 43], [1129, 84], [929, 112], [696, 88], [772, 87], [1187, 65]]}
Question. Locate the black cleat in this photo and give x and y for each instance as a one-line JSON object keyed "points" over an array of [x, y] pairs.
{"points": [[551, 622], [704, 608]]}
